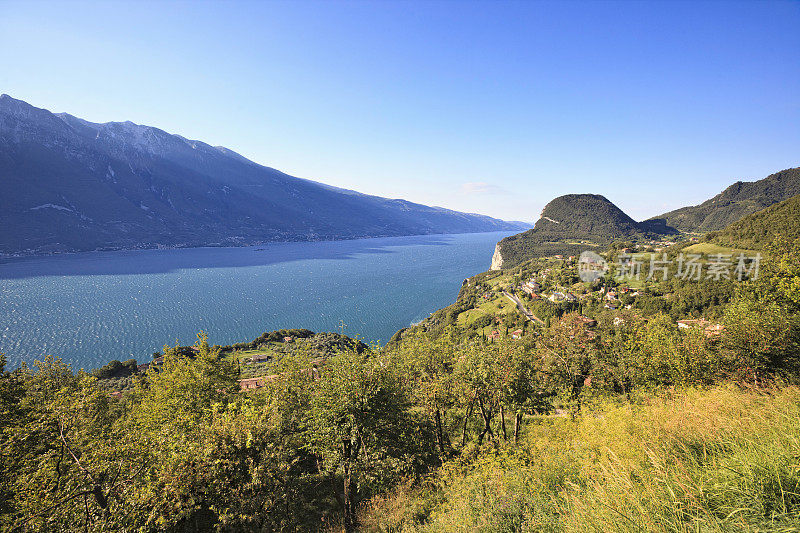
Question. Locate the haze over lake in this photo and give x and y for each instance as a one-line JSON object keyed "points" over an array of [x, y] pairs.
{"points": [[93, 307]]}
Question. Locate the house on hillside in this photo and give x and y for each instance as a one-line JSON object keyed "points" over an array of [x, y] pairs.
{"points": [[693, 323], [253, 383], [714, 330], [531, 286], [516, 334], [709, 329]]}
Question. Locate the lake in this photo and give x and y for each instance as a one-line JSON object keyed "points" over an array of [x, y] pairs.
{"points": [[93, 307]]}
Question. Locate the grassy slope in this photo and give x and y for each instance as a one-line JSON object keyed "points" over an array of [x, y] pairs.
{"points": [[723, 459], [708, 248]]}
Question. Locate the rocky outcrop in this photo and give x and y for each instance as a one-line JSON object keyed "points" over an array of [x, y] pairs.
{"points": [[497, 258]]}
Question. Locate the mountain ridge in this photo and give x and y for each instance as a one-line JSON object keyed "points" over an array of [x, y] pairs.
{"points": [[73, 185], [736, 201]]}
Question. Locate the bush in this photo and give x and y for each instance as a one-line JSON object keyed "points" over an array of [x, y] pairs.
{"points": [[116, 369]]}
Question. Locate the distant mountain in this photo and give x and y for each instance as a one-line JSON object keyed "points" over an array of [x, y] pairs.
{"points": [[737, 201], [571, 218], [756, 231], [70, 185]]}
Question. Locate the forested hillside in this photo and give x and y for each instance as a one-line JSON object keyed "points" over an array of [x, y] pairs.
{"points": [[571, 222], [735, 202], [756, 231]]}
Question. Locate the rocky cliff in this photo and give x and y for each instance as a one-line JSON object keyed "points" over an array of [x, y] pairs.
{"points": [[497, 258]]}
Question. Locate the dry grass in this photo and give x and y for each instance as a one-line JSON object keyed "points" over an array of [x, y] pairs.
{"points": [[723, 459]]}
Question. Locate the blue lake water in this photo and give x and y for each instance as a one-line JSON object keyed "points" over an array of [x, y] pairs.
{"points": [[93, 307]]}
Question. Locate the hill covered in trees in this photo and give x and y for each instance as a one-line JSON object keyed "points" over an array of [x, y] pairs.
{"points": [[570, 222], [756, 231], [737, 201]]}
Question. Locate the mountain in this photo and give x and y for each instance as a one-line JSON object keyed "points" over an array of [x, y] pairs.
{"points": [[569, 218], [756, 231], [67, 184], [737, 201]]}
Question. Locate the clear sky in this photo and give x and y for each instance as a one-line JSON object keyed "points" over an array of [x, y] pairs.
{"points": [[491, 107]]}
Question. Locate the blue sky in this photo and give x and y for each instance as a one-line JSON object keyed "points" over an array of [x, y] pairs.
{"points": [[491, 107]]}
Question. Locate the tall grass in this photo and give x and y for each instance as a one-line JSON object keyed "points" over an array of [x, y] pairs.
{"points": [[722, 459]]}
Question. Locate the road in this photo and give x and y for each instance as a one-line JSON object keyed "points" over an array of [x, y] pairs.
{"points": [[522, 308]]}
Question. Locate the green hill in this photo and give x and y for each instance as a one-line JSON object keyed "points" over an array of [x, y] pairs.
{"points": [[735, 202], [755, 231], [584, 216], [570, 222]]}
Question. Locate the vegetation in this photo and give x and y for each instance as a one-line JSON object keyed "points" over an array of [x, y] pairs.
{"points": [[735, 202], [754, 231], [530, 245], [718, 459], [602, 414], [569, 223]]}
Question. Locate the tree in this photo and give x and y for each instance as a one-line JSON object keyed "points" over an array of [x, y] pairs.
{"points": [[521, 385], [567, 350], [478, 377], [361, 429], [429, 364], [762, 323], [70, 470], [173, 406], [12, 390]]}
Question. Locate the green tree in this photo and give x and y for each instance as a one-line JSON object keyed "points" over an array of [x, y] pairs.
{"points": [[361, 429], [174, 405], [429, 365], [567, 350], [762, 323], [479, 379]]}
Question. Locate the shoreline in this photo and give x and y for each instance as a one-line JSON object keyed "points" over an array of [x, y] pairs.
{"points": [[11, 257]]}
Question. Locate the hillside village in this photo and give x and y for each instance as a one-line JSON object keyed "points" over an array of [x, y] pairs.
{"points": [[518, 302]]}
